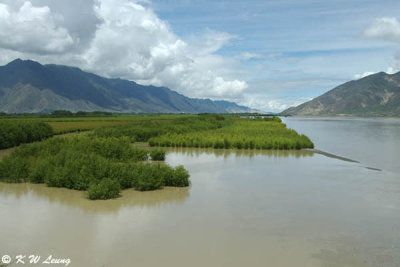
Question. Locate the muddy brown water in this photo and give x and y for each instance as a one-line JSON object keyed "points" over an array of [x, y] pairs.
{"points": [[243, 208]]}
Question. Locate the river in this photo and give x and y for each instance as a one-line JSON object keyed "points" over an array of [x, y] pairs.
{"points": [[243, 208]]}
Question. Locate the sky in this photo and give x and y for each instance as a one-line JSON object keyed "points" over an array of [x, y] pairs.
{"points": [[265, 54]]}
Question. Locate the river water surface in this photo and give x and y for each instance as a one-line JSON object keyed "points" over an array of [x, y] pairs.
{"points": [[244, 208]]}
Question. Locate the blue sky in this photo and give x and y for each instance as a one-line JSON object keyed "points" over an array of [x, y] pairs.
{"points": [[303, 47], [268, 55]]}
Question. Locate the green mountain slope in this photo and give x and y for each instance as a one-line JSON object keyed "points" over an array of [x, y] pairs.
{"points": [[374, 95], [27, 86]]}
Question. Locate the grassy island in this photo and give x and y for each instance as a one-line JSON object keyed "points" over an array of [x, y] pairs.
{"points": [[214, 131]]}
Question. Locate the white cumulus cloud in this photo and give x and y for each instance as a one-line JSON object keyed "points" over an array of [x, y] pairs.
{"points": [[384, 29], [32, 29], [132, 42]]}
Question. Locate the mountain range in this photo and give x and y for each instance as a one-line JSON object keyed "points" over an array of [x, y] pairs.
{"points": [[29, 87], [375, 95]]}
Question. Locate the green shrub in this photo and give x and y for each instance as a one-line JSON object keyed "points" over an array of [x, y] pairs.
{"points": [[125, 174], [105, 189], [16, 132], [179, 178], [14, 170], [82, 163], [150, 178], [39, 170], [157, 154]]}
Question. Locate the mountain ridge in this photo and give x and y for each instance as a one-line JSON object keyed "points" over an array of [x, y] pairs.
{"points": [[374, 95], [27, 86]]}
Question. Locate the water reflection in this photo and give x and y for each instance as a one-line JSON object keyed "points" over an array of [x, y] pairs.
{"points": [[77, 199], [225, 153], [195, 151]]}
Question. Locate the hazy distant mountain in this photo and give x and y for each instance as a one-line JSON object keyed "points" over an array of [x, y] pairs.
{"points": [[29, 87], [374, 95]]}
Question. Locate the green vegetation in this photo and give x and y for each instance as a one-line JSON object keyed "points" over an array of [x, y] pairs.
{"points": [[60, 127], [143, 130], [250, 134], [62, 113], [14, 133], [103, 162], [214, 131], [66, 113], [157, 154], [105, 189], [103, 166], [92, 120]]}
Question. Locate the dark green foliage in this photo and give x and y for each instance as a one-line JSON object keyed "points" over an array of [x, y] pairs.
{"points": [[103, 166], [62, 113], [135, 133], [179, 178], [126, 174], [150, 178], [38, 172], [66, 113], [105, 189], [92, 114], [155, 176], [14, 133], [14, 170], [157, 154]]}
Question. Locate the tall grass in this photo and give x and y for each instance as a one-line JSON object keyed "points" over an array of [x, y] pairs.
{"points": [[157, 154], [242, 134], [214, 131], [146, 129]]}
